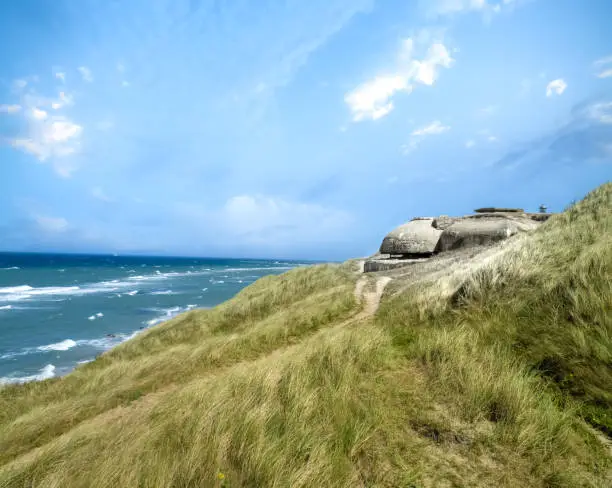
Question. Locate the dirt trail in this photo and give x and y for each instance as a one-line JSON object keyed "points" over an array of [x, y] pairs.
{"points": [[370, 299]]}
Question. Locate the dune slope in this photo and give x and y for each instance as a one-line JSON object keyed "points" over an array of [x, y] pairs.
{"points": [[495, 370]]}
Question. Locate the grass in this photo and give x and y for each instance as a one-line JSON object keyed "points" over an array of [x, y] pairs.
{"points": [[492, 373]]}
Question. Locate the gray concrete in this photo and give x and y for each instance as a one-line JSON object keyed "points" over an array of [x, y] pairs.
{"points": [[475, 232], [415, 237]]}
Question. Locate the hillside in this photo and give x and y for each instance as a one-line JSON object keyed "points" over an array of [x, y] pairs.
{"points": [[489, 367]]}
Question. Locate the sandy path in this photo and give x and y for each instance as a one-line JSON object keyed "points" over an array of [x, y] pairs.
{"points": [[370, 299]]}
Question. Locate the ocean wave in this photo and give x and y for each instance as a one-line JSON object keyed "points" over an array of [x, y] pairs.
{"points": [[58, 346], [166, 314], [102, 343], [26, 292], [9, 268], [266, 268], [163, 292], [6, 307], [107, 342], [15, 289], [44, 373], [10, 294]]}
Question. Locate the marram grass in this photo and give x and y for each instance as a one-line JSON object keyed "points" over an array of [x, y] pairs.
{"points": [[496, 373]]}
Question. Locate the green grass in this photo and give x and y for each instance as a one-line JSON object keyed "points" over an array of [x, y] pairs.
{"points": [[488, 375]]}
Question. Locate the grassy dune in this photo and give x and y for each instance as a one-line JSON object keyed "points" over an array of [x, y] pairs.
{"points": [[496, 374]]}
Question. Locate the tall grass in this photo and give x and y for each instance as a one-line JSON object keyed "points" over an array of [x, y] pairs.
{"points": [[478, 375]]}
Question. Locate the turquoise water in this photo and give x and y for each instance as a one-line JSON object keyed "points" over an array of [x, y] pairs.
{"points": [[57, 311]]}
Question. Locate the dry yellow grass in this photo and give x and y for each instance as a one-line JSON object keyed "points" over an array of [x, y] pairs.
{"points": [[479, 375]]}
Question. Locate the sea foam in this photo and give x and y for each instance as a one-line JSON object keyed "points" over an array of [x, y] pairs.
{"points": [[58, 346], [44, 373]]}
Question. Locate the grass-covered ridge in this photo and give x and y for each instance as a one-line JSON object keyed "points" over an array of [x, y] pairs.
{"points": [[487, 374]]}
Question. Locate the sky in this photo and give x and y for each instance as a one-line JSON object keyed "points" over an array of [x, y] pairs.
{"points": [[291, 129]]}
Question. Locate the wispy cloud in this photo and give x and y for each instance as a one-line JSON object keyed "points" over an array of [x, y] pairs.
{"points": [[373, 99], [470, 143], [556, 87], [603, 67], [488, 110], [50, 224], [268, 220], [487, 8], [86, 74], [99, 194], [586, 137], [10, 108], [417, 135], [601, 112]]}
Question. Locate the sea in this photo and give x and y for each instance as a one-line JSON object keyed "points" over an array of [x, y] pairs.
{"points": [[61, 310]]}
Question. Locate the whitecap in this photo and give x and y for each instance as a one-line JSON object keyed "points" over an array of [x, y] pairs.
{"points": [[131, 293], [6, 307], [12, 267], [166, 314], [58, 346], [163, 292], [15, 289], [99, 314], [45, 373], [91, 317]]}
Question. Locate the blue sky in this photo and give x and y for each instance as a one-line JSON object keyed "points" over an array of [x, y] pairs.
{"points": [[286, 128]]}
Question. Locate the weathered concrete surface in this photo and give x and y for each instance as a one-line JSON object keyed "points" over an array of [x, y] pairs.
{"points": [[422, 237], [499, 209], [475, 232], [373, 265], [418, 236], [444, 222]]}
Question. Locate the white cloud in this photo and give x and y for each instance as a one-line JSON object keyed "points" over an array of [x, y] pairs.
{"points": [[47, 135], [435, 127], [417, 135], [100, 194], [556, 87], [10, 109], [61, 101], [492, 139], [60, 76], [469, 144], [605, 74], [602, 65], [85, 73], [51, 224], [373, 99], [39, 114], [427, 70], [125, 83]]}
